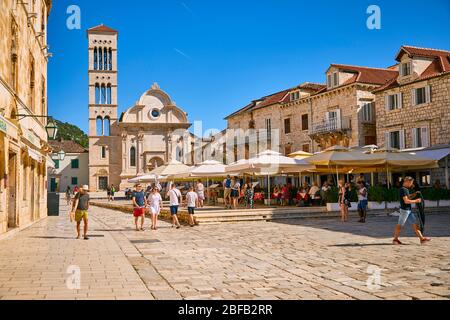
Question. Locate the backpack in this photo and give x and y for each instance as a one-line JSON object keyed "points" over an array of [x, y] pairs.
{"points": [[228, 183]]}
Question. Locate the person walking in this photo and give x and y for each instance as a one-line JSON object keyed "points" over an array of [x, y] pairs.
{"points": [[108, 193], [68, 195], [344, 199], [236, 192], [249, 193], [192, 199], [81, 207], [175, 196], [113, 192], [155, 204], [200, 193], [405, 213], [362, 200], [139, 204], [227, 192]]}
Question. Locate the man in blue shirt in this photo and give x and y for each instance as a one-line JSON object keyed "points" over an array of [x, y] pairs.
{"points": [[405, 212], [139, 205]]}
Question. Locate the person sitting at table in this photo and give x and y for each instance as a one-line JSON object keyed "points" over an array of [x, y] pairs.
{"points": [[314, 192], [277, 194], [285, 195], [302, 197]]}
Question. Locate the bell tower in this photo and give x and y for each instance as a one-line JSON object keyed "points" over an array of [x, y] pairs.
{"points": [[102, 107]]}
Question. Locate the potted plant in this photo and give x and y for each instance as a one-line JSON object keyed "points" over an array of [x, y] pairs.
{"points": [[376, 198]]}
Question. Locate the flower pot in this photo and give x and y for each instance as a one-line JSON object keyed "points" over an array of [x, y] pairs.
{"points": [[444, 203], [430, 204], [333, 207], [393, 205], [373, 205]]}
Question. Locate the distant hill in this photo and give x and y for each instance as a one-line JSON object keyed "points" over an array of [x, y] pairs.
{"points": [[69, 131]]}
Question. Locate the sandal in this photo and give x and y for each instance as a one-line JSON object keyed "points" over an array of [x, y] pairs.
{"points": [[396, 242]]}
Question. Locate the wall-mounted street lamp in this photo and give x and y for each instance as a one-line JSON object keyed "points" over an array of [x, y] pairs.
{"points": [[61, 155], [51, 128]]}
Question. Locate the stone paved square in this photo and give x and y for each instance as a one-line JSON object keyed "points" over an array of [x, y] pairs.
{"points": [[292, 259]]}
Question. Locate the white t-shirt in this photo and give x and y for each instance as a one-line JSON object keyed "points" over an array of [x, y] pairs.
{"points": [[174, 196], [191, 199], [360, 196], [313, 190], [154, 200], [200, 187]]}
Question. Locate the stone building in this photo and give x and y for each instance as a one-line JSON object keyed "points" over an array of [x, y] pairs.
{"points": [[285, 113], [70, 172], [413, 109], [151, 133], [23, 92], [312, 117], [343, 113]]}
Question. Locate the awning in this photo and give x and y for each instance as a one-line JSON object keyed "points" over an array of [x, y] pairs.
{"points": [[435, 154], [34, 155], [50, 163]]}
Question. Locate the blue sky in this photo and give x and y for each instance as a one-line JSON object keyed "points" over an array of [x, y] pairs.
{"points": [[214, 57]]}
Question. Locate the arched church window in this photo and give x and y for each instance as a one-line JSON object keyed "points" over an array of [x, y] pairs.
{"points": [[99, 126], [95, 59], [100, 58], [132, 157], [108, 94], [179, 153], [107, 126], [103, 96], [97, 93], [110, 59], [105, 60]]}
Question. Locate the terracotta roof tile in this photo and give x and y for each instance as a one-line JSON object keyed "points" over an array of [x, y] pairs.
{"points": [[68, 146], [102, 28], [367, 75], [439, 65]]}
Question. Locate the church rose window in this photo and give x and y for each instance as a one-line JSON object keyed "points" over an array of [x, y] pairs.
{"points": [[155, 113]]}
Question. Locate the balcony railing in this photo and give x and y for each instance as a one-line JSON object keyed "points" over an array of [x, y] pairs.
{"points": [[331, 125]]}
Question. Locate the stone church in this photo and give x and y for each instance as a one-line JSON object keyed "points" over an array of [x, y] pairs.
{"points": [[151, 133]]}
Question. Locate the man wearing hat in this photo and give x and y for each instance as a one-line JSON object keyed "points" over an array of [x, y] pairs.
{"points": [[81, 207]]}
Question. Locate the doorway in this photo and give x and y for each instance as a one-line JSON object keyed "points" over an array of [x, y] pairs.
{"points": [[53, 185], [12, 191], [102, 183]]}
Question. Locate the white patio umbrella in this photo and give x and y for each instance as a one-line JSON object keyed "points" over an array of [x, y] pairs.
{"points": [[172, 170], [146, 178], [269, 163]]}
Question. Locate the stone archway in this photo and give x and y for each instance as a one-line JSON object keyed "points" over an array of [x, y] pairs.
{"points": [[154, 163]]}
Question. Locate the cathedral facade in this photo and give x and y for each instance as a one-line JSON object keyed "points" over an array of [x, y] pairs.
{"points": [[151, 133]]}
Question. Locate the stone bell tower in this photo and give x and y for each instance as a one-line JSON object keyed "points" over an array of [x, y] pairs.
{"points": [[103, 136]]}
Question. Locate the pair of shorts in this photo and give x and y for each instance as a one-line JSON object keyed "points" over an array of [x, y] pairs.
{"points": [[138, 212], [80, 215], [226, 192], [404, 216], [191, 210], [362, 204], [174, 210], [234, 193]]}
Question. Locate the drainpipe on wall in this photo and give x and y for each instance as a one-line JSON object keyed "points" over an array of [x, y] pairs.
{"points": [[310, 120]]}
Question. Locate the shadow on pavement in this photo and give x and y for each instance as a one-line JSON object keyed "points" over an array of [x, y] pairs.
{"points": [[437, 225]]}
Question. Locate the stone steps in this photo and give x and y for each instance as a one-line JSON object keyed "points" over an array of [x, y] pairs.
{"points": [[211, 215]]}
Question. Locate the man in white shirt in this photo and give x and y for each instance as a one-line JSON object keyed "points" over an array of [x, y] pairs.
{"points": [[175, 196], [191, 200], [313, 191]]}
